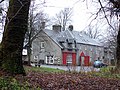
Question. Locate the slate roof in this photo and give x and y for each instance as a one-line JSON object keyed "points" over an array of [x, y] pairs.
{"points": [[53, 35], [83, 38], [80, 38]]}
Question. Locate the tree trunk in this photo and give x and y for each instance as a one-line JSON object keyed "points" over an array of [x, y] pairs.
{"points": [[13, 36], [29, 53], [118, 51], [29, 42]]}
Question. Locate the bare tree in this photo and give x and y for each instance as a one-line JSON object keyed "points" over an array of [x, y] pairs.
{"points": [[111, 8], [36, 24], [110, 41], [116, 11], [93, 32], [63, 18], [108, 9], [112, 36], [114, 8]]}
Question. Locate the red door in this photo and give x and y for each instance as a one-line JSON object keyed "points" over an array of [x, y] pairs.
{"points": [[86, 61], [64, 57], [82, 58], [73, 58]]}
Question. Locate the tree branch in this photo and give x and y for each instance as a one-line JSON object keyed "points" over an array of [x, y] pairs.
{"points": [[1, 1], [105, 14]]}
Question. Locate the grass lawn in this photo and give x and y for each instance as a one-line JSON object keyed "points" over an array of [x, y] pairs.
{"points": [[104, 72], [42, 69], [39, 78]]}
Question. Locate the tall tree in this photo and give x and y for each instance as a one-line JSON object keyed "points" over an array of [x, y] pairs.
{"points": [[36, 24], [111, 8], [114, 7], [13, 37], [112, 36], [63, 18], [110, 41]]}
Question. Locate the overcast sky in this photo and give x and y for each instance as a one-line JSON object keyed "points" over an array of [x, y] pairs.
{"points": [[81, 10]]}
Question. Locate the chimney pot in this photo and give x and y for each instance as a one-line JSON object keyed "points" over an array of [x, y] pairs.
{"points": [[57, 28], [43, 25], [70, 27]]}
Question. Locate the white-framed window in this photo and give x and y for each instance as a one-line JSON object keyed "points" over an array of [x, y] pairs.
{"points": [[50, 59], [42, 44], [24, 52]]}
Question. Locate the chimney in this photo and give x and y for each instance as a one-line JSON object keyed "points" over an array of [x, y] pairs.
{"points": [[42, 25], [70, 27], [57, 28]]}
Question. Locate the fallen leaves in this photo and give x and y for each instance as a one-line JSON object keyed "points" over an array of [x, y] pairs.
{"points": [[71, 81], [66, 81]]}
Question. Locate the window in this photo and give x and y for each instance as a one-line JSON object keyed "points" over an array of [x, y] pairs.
{"points": [[42, 45], [70, 45], [49, 59], [69, 58], [24, 52], [36, 57]]}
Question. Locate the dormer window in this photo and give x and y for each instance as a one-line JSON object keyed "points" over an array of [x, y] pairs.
{"points": [[70, 45], [70, 41]]}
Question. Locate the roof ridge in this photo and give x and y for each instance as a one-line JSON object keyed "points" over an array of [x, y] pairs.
{"points": [[73, 35]]}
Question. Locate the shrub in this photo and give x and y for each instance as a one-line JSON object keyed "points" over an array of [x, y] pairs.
{"points": [[13, 84]]}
